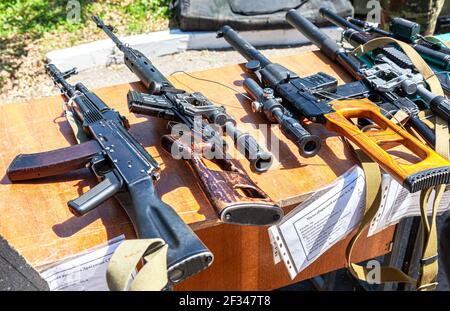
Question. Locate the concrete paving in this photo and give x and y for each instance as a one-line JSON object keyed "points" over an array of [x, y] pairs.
{"points": [[117, 73], [155, 44], [189, 61]]}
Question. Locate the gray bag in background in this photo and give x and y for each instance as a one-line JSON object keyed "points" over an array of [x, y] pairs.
{"points": [[249, 14]]}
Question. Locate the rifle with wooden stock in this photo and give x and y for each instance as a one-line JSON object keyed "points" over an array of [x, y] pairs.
{"points": [[125, 170], [235, 198], [318, 98], [387, 70]]}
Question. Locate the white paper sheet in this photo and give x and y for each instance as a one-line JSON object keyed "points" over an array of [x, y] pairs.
{"points": [[398, 203], [334, 211], [84, 272], [320, 222]]}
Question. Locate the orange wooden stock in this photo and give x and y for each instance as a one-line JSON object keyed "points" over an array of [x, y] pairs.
{"points": [[431, 169]]}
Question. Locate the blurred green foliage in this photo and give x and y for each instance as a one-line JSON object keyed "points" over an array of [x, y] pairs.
{"points": [[31, 28], [35, 17]]}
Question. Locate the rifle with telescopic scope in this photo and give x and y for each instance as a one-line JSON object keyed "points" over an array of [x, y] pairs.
{"points": [[434, 52], [388, 71], [317, 98], [231, 192], [392, 86]]}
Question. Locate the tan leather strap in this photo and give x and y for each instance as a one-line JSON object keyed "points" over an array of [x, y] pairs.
{"points": [[429, 264], [78, 132], [151, 277], [373, 200]]}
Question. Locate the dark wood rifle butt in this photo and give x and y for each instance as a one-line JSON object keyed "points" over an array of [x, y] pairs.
{"points": [[235, 198]]}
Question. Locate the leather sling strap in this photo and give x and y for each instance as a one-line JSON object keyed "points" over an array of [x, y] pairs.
{"points": [[153, 252], [152, 276], [77, 129], [428, 263], [373, 198]]}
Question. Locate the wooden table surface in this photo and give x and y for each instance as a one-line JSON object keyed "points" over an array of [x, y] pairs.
{"points": [[36, 221]]}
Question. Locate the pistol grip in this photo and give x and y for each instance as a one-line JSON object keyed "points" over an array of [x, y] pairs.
{"points": [[110, 185], [431, 170]]}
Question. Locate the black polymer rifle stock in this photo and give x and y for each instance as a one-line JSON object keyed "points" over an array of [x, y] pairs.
{"points": [[235, 198], [125, 170], [388, 71], [314, 97]]}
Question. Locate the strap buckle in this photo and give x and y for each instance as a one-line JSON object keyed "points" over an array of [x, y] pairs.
{"points": [[428, 260], [429, 286]]}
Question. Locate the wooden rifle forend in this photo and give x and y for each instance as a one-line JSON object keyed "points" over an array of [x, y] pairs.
{"points": [[431, 170], [235, 198]]}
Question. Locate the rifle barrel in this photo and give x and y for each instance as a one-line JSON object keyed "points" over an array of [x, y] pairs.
{"points": [[108, 30], [242, 46], [312, 33], [337, 20]]}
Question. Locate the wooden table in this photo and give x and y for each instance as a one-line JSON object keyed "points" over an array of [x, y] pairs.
{"points": [[36, 221]]}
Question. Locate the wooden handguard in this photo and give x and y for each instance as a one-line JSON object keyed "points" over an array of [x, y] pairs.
{"points": [[235, 198], [430, 171]]}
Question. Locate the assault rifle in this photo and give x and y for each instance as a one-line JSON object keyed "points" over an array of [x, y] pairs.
{"points": [[315, 97], [396, 87], [397, 63], [125, 170], [233, 195], [175, 104]]}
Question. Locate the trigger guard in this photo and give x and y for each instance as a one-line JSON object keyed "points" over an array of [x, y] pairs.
{"points": [[98, 166]]}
